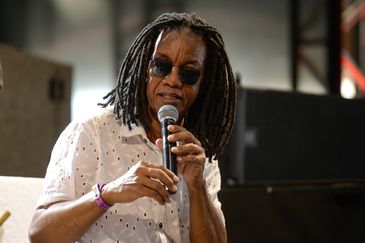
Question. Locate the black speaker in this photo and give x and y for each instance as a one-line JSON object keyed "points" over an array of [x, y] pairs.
{"points": [[328, 212], [282, 136]]}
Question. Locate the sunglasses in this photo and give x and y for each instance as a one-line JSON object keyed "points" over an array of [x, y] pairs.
{"points": [[162, 67]]}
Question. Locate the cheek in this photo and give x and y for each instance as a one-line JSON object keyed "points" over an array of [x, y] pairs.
{"points": [[193, 93], [195, 89], [149, 93], [149, 88]]}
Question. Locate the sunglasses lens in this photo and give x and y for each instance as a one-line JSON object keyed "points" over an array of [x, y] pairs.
{"points": [[190, 76], [161, 68]]}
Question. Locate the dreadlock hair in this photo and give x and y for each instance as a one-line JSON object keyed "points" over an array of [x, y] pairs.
{"points": [[211, 117]]}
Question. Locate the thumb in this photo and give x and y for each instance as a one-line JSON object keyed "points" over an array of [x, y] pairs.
{"points": [[158, 143]]}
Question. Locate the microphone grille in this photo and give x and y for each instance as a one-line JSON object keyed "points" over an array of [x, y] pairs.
{"points": [[168, 112]]}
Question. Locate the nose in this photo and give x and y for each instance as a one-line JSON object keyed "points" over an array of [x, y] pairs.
{"points": [[173, 78]]}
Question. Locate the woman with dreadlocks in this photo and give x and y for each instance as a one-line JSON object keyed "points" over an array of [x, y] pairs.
{"points": [[105, 181]]}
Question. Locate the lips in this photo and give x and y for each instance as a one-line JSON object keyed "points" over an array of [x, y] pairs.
{"points": [[170, 96]]}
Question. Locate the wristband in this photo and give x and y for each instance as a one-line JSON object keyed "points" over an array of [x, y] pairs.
{"points": [[98, 189]]}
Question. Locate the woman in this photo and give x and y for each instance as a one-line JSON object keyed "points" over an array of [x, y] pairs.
{"points": [[105, 181]]}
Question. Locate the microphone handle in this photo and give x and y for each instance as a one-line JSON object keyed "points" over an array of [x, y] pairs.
{"points": [[169, 160]]}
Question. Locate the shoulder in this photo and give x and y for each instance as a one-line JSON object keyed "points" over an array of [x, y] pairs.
{"points": [[94, 121], [105, 122]]}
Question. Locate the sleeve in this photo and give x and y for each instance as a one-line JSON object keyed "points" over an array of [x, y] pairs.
{"points": [[59, 183], [213, 182]]}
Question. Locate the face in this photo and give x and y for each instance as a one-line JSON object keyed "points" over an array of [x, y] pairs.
{"points": [[176, 71]]}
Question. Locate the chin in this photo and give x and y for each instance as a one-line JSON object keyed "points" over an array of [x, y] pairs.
{"points": [[174, 102]]}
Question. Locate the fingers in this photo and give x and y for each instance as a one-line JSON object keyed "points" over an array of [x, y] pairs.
{"points": [[154, 189], [158, 143], [157, 196], [143, 179], [182, 135], [187, 156], [159, 172], [189, 148], [156, 179]]}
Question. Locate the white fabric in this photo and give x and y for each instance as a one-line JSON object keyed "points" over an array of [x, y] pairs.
{"points": [[19, 196], [101, 149]]}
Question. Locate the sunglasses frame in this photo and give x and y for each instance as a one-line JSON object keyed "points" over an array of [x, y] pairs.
{"points": [[187, 75]]}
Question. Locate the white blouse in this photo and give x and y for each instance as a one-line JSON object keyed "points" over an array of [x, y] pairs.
{"points": [[101, 149]]}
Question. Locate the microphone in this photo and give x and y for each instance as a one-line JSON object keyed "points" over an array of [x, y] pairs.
{"points": [[168, 115]]}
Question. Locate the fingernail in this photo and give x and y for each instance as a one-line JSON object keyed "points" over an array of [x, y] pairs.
{"points": [[176, 179]]}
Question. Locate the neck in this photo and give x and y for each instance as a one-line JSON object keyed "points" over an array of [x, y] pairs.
{"points": [[155, 130]]}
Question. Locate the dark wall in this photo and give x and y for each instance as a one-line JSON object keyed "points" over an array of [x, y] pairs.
{"points": [[284, 136], [331, 212]]}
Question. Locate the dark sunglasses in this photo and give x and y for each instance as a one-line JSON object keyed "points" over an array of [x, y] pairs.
{"points": [[162, 67]]}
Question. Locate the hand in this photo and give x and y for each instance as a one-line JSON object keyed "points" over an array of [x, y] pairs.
{"points": [[190, 155], [143, 179]]}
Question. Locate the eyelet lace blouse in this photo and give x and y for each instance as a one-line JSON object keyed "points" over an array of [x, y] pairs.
{"points": [[100, 149]]}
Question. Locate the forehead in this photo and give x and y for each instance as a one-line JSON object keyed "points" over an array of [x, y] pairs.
{"points": [[181, 43]]}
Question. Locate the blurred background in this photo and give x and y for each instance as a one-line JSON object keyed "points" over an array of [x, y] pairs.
{"points": [[92, 36], [299, 64], [301, 111]]}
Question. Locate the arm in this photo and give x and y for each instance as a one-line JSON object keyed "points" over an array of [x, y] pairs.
{"points": [[65, 217], [68, 221], [205, 223], [64, 221]]}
